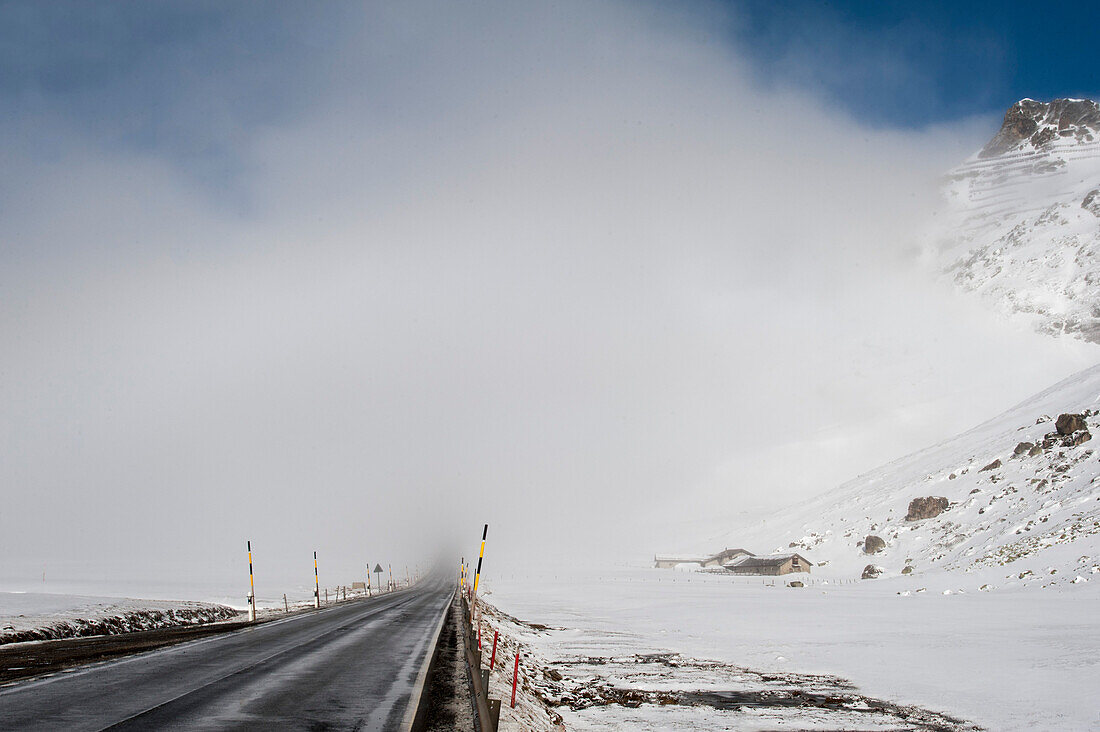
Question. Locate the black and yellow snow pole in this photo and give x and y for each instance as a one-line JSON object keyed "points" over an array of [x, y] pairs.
{"points": [[251, 587], [462, 574], [368, 579], [477, 576], [317, 583], [392, 585]]}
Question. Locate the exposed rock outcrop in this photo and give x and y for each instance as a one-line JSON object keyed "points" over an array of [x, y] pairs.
{"points": [[873, 544], [1032, 124], [1067, 424], [926, 507], [1091, 202], [872, 571]]}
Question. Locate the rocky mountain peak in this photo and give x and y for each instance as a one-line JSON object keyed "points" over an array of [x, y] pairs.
{"points": [[1021, 219], [1033, 124]]}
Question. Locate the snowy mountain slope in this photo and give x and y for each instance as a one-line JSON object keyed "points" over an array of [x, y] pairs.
{"points": [[1021, 223], [1017, 513]]}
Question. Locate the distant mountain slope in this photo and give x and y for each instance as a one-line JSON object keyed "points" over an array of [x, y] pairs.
{"points": [[1023, 502], [1021, 225]]}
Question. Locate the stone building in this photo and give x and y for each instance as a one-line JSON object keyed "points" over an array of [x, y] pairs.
{"points": [[774, 564]]}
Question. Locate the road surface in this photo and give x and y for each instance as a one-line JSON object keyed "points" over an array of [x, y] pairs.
{"points": [[352, 666]]}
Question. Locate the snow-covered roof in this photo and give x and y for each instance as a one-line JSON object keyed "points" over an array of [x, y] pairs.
{"points": [[769, 561], [685, 558]]}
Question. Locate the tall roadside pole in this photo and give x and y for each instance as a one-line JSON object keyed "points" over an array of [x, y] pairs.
{"points": [[477, 575], [251, 588], [316, 584], [368, 579]]}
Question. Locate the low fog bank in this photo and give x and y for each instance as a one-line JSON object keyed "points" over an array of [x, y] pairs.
{"points": [[565, 271]]}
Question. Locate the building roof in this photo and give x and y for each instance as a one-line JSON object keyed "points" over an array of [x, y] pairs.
{"points": [[731, 552], [684, 558], [771, 560]]}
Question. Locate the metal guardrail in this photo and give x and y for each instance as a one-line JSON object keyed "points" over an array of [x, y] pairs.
{"points": [[488, 710]]}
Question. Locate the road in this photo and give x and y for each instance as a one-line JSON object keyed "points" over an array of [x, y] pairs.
{"points": [[350, 666]]}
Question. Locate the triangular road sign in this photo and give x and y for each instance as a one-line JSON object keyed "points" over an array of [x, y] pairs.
{"points": [[377, 568]]}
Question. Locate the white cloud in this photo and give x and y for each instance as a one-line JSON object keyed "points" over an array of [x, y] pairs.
{"points": [[563, 270]]}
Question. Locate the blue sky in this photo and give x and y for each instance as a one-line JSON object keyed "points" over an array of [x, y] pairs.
{"points": [[908, 64], [193, 81]]}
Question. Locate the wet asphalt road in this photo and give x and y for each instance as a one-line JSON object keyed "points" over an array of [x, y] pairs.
{"points": [[352, 666]]}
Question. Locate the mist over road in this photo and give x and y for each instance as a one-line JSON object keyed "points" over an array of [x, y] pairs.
{"points": [[350, 666]]}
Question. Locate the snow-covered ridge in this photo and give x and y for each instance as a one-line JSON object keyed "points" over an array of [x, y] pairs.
{"points": [[1023, 502], [1021, 222]]}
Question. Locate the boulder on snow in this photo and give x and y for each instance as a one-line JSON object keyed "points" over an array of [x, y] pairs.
{"points": [[907, 569], [1022, 448], [872, 571], [926, 507], [1036, 450], [873, 544], [1067, 424], [795, 583], [992, 466]]}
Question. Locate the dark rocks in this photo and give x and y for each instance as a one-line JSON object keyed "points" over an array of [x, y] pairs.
{"points": [[976, 490], [907, 569], [1039, 123], [1067, 424], [1022, 448], [873, 544], [795, 583], [926, 507], [1091, 202], [992, 466], [1077, 438], [1036, 450], [952, 476], [872, 571]]}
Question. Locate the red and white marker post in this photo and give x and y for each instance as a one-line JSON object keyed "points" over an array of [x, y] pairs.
{"points": [[515, 678]]}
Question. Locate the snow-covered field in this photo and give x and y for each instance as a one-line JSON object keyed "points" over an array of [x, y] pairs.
{"points": [[40, 616], [1004, 660], [985, 613]]}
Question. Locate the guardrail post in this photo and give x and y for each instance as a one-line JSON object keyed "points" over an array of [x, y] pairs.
{"points": [[494, 712]]}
